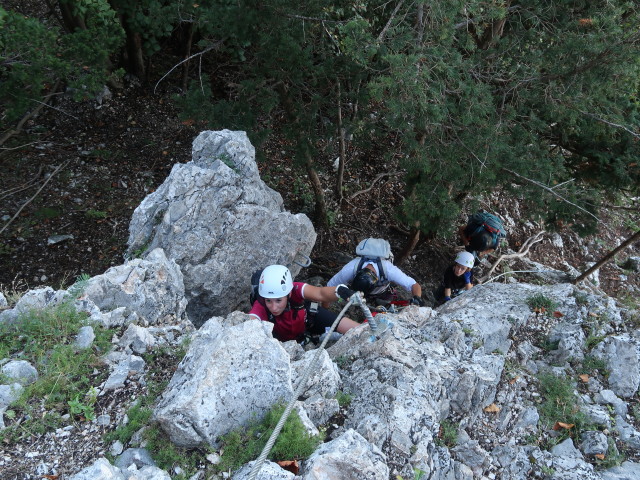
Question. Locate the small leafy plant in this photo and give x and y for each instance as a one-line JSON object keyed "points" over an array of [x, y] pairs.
{"points": [[560, 408], [95, 214], [344, 399], [448, 434], [541, 304]]}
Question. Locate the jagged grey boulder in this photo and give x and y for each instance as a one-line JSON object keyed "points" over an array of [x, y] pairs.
{"points": [[403, 384], [138, 339], [101, 469], [153, 288], [220, 222], [621, 356], [348, 457], [139, 457], [268, 471], [323, 380], [85, 337], [228, 377], [20, 371], [37, 299], [626, 471]]}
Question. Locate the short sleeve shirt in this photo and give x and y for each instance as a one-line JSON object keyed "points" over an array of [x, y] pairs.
{"points": [[451, 281]]}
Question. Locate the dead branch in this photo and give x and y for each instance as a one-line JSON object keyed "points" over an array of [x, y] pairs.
{"points": [[199, 54], [6, 225], [550, 190], [608, 256], [382, 175], [615, 125], [390, 21], [524, 250], [7, 135], [24, 186]]}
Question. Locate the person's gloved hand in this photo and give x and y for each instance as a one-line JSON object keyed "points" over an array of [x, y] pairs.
{"points": [[416, 300], [467, 276], [446, 299], [343, 292]]}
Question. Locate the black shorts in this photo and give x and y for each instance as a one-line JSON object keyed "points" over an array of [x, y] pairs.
{"points": [[318, 323]]}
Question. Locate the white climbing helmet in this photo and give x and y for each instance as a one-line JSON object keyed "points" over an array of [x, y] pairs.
{"points": [[275, 282], [465, 259]]}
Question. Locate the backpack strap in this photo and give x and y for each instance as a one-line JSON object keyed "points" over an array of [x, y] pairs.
{"points": [[383, 270]]}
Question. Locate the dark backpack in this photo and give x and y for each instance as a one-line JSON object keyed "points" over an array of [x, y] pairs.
{"points": [[486, 221]]}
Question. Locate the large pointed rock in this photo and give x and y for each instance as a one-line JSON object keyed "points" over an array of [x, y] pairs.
{"points": [[220, 222]]}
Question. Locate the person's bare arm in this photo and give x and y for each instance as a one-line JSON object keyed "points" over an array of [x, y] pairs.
{"points": [[322, 294]]}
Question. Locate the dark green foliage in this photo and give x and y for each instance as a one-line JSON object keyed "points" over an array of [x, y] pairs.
{"points": [[541, 304], [540, 98], [35, 55], [479, 96]]}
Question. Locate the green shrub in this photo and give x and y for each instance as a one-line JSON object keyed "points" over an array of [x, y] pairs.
{"points": [[560, 404], [138, 416], [95, 214], [243, 445], [539, 303], [344, 399], [448, 434]]}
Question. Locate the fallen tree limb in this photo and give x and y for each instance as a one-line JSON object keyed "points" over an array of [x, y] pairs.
{"points": [[8, 134], [382, 175], [6, 225], [524, 250], [22, 187], [551, 191], [607, 257]]}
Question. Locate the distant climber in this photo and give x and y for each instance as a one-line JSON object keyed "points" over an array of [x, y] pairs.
{"points": [[482, 233], [457, 278], [372, 273]]}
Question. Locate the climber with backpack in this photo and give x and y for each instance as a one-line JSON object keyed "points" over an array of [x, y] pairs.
{"points": [[457, 278], [482, 234], [372, 272], [293, 307]]}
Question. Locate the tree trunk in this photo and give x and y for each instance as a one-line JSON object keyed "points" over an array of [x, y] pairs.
{"points": [[135, 58], [410, 244], [187, 54], [342, 154], [608, 256], [316, 185], [321, 206], [71, 21]]}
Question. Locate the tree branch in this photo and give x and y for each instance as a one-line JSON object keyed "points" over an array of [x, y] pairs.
{"points": [[6, 225], [388, 25], [23, 120], [550, 190], [608, 256], [610, 123], [199, 54], [524, 250], [382, 175]]}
